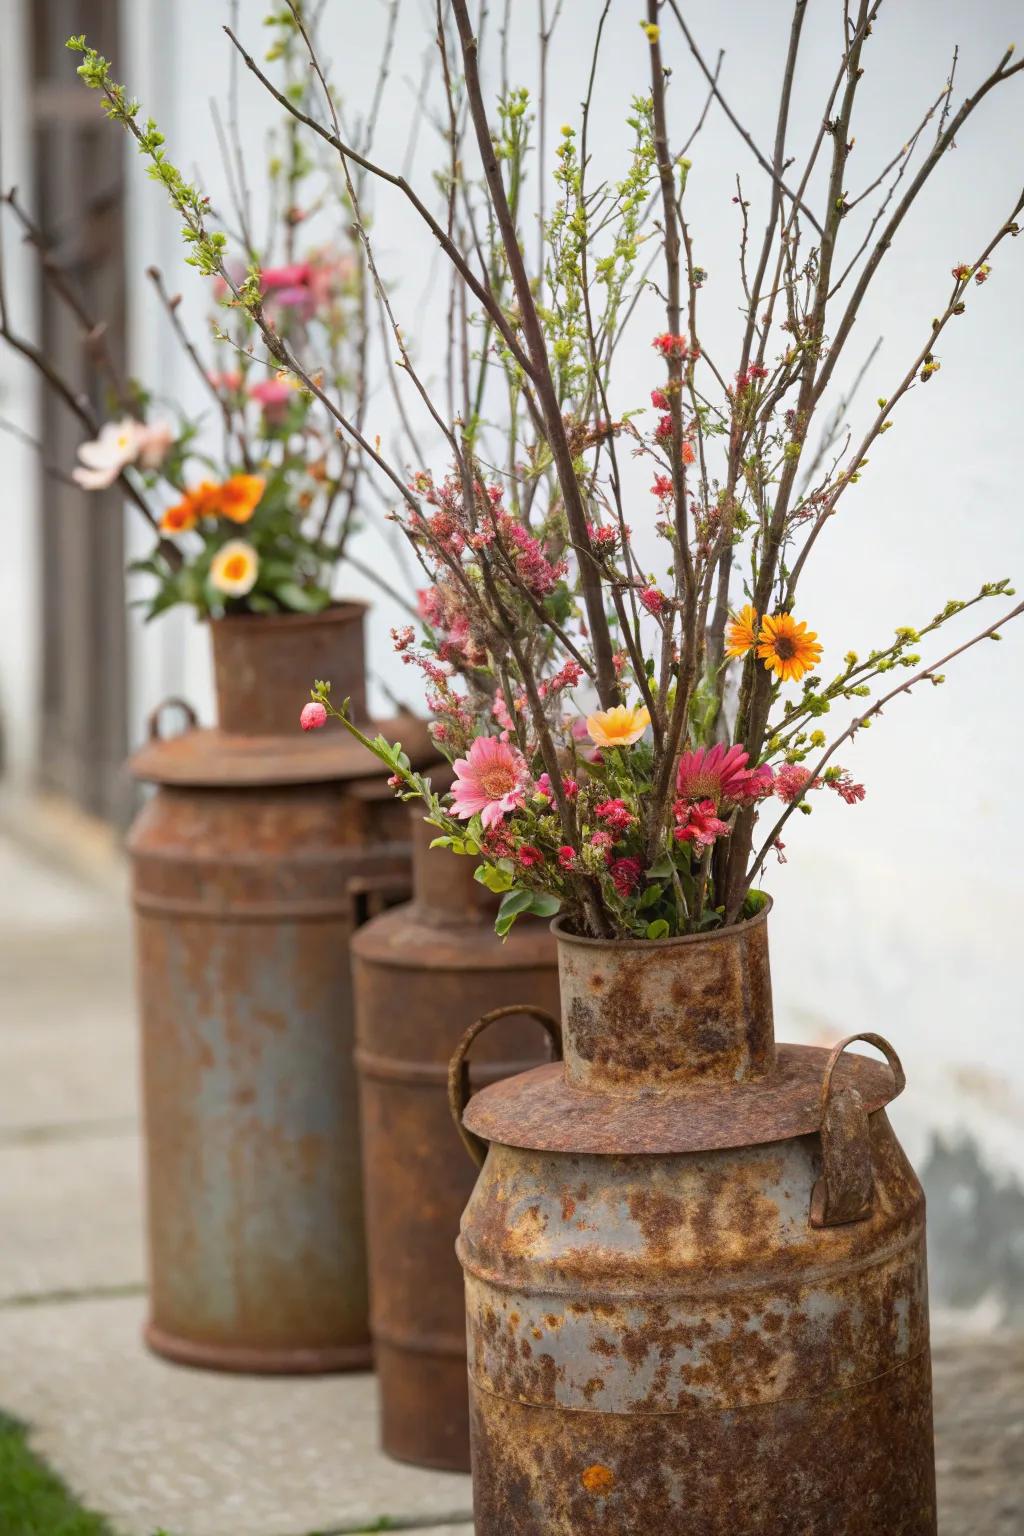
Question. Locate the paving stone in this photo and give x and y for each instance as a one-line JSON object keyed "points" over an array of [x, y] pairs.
{"points": [[149, 1444], [70, 1216]]}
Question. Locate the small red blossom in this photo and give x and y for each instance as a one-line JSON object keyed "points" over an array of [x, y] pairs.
{"points": [[698, 824], [528, 855], [791, 782], [403, 638], [659, 399], [625, 875], [670, 346], [757, 784], [847, 789], [688, 453], [602, 537], [662, 486], [567, 677], [601, 838], [567, 857], [615, 814], [653, 600], [394, 781]]}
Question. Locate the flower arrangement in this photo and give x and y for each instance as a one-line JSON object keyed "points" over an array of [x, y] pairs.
{"points": [[631, 733], [252, 501]]}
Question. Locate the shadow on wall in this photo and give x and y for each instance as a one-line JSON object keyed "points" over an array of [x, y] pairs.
{"points": [[975, 1234]]}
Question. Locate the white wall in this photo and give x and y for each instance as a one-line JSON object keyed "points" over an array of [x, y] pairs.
{"points": [[898, 915], [19, 471]]}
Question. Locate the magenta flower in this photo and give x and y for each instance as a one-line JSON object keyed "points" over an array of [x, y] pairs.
{"points": [[491, 780], [713, 773], [758, 783], [296, 274], [528, 855]]}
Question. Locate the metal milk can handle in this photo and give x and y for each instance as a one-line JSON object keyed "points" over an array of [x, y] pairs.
{"points": [[173, 702], [458, 1067], [845, 1191]]}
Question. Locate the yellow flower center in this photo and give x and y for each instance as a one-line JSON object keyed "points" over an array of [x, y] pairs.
{"points": [[235, 567], [497, 782]]}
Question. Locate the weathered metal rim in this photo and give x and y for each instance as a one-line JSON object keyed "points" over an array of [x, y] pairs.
{"points": [[345, 611], [716, 936], [540, 1111], [210, 758], [250, 1360]]}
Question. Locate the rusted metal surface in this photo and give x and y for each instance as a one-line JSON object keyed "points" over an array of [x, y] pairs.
{"points": [[846, 1187], [665, 1343], [422, 974], [459, 1086], [244, 913], [265, 664], [674, 1011], [542, 1111]]}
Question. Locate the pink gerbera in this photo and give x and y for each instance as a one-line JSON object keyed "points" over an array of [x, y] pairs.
{"points": [[492, 780], [713, 773]]}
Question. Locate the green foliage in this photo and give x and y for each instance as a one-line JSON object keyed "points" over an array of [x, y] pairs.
{"points": [[33, 1500]]}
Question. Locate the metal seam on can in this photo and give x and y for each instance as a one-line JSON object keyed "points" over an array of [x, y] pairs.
{"points": [[443, 1344], [822, 1272], [258, 912], [772, 1405], [426, 1074]]}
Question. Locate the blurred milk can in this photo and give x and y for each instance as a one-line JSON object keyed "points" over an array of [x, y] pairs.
{"points": [[695, 1268], [244, 863], [423, 972]]}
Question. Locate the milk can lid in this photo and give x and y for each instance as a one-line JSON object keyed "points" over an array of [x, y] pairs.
{"points": [[540, 1111], [211, 758]]}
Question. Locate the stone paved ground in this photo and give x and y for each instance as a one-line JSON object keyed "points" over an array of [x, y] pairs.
{"points": [[150, 1444]]}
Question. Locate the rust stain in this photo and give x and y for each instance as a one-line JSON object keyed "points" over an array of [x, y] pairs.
{"points": [[598, 1479]]}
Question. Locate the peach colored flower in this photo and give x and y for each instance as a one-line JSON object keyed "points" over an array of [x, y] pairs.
{"points": [[237, 498], [620, 726]]}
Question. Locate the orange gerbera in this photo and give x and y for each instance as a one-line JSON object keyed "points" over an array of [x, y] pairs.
{"points": [[238, 498], [787, 648], [741, 632]]}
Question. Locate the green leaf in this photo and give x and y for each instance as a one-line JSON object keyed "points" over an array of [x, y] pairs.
{"points": [[659, 929], [495, 878], [544, 904], [513, 903], [650, 897], [301, 599]]}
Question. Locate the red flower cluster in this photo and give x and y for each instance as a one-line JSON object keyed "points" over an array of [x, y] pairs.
{"points": [[615, 814], [671, 346], [625, 873], [653, 600], [698, 824]]}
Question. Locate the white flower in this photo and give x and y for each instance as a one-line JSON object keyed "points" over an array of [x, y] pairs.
{"points": [[117, 445], [121, 443]]}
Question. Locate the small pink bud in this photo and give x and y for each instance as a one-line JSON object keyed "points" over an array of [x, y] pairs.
{"points": [[314, 715]]}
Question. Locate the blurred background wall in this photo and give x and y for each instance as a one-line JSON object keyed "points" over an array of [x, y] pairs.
{"points": [[900, 915]]}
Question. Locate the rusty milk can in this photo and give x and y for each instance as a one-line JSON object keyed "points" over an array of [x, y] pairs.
{"points": [[244, 863], [422, 973], [695, 1268]]}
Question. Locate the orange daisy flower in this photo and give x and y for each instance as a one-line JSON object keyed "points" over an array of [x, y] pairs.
{"points": [[741, 632], [180, 518], [238, 498], [787, 648]]}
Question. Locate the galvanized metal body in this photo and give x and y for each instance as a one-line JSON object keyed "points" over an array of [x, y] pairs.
{"points": [[249, 864], [675, 1332], [422, 973]]}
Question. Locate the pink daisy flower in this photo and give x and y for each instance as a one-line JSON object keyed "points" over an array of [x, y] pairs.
{"points": [[713, 773], [491, 780]]}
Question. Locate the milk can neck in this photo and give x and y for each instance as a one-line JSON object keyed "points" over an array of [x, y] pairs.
{"points": [[670, 1014], [444, 889]]}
